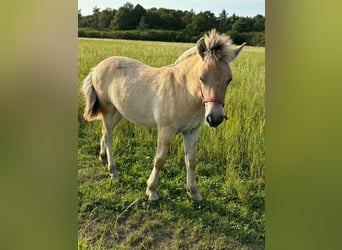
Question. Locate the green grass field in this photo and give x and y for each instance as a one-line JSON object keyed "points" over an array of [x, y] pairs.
{"points": [[230, 167]]}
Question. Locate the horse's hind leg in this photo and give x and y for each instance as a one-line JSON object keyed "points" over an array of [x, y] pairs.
{"points": [[110, 119], [103, 153]]}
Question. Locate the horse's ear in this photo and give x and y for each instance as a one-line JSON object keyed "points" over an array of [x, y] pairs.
{"points": [[237, 51], [201, 48]]}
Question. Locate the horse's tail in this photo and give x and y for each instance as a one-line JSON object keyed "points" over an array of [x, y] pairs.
{"points": [[92, 105]]}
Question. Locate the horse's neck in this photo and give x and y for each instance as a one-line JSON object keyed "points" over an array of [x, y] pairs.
{"points": [[186, 74]]}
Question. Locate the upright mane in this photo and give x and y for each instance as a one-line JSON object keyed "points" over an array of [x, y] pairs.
{"points": [[217, 47], [212, 47]]}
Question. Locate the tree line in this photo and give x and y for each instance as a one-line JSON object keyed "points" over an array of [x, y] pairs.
{"points": [[136, 22]]}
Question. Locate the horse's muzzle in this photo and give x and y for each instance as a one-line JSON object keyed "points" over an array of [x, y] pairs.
{"points": [[214, 120]]}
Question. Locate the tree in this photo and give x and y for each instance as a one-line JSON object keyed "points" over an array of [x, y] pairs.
{"points": [[187, 16], [231, 20], [223, 24], [123, 17], [142, 24], [105, 18], [203, 21], [128, 17], [243, 24], [153, 19], [79, 15], [96, 12], [259, 23], [177, 25], [170, 19], [138, 12]]}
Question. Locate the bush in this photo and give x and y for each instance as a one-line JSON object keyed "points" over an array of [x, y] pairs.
{"points": [[151, 35], [251, 38]]}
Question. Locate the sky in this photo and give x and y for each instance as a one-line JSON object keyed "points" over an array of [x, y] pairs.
{"points": [[239, 7]]}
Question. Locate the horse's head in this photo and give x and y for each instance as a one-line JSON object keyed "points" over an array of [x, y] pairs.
{"points": [[214, 73]]}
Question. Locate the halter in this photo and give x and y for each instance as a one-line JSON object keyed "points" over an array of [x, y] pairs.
{"points": [[212, 99]]}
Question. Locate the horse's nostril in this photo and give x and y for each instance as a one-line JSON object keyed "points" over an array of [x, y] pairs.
{"points": [[209, 120]]}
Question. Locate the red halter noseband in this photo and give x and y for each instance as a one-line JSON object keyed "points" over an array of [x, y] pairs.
{"points": [[212, 99]]}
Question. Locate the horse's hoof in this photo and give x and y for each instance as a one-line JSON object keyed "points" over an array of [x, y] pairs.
{"points": [[152, 196], [196, 196], [113, 176], [112, 172]]}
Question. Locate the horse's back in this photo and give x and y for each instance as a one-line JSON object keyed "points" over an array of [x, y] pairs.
{"points": [[127, 84], [115, 67]]}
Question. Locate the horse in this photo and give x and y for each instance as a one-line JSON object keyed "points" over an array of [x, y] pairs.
{"points": [[176, 99]]}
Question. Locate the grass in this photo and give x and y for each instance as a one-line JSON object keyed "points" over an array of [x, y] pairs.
{"points": [[230, 167]]}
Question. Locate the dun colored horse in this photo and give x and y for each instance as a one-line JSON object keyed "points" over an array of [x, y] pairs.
{"points": [[175, 99]]}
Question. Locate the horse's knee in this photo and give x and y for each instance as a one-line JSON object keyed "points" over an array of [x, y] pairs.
{"points": [[159, 162]]}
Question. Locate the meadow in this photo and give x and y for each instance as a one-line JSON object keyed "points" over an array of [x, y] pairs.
{"points": [[230, 168]]}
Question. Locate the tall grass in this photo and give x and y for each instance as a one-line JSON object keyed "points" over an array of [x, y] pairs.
{"points": [[230, 167]]}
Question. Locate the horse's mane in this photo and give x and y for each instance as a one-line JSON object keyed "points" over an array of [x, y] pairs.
{"points": [[214, 47], [218, 47], [188, 53]]}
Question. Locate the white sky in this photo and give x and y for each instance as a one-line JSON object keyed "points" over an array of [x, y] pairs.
{"points": [[239, 7]]}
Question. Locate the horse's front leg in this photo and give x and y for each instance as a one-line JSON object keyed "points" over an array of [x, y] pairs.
{"points": [[190, 140], [165, 137]]}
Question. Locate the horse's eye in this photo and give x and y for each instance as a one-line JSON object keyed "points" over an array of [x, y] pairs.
{"points": [[202, 79]]}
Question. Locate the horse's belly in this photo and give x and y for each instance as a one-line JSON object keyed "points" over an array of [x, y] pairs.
{"points": [[133, 101], [137, 116], [136, 110]]}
